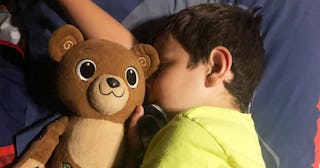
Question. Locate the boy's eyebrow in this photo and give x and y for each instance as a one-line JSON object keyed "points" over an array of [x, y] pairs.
{"points": [[164, 59]]}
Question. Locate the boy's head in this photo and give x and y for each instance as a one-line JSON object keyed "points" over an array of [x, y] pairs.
{"points": [[202, 28]]}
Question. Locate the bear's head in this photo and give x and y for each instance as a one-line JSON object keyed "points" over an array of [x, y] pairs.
{"points": [[98, 78]]}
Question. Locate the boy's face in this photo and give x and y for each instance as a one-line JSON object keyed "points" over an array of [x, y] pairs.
{"points": [[175, 87]]}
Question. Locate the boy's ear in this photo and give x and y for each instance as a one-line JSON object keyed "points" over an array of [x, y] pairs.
{"points": [[62, 40], [147, 57], [219, 66]]}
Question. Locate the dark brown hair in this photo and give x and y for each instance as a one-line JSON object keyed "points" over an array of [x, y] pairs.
{"points": [[201, 28]]}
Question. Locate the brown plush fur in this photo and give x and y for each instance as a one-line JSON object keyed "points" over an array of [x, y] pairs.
{"points": [[95, 82]]}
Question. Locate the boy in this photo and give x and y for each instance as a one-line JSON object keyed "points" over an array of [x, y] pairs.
{"points": [[211, 60]]}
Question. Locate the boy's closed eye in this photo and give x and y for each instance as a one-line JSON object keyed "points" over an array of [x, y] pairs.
{"points": [[162, 66]]}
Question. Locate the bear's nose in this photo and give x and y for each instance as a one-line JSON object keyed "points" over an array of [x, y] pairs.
{"points": [[113, 83]]}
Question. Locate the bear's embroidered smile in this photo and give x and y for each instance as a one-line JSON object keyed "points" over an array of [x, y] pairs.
{"points": [[111, 92]]}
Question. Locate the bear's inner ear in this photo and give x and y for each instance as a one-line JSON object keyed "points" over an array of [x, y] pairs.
{"points": [[62, 40], [147, 57]]}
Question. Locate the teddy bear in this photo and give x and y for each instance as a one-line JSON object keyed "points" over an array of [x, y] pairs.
{"points": [[101, 83]]}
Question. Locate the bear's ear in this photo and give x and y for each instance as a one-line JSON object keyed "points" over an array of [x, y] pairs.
{"points": [[62, 40], [148, 58]]}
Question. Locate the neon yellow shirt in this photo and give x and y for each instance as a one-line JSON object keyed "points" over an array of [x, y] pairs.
{"points": [[206, 137]]}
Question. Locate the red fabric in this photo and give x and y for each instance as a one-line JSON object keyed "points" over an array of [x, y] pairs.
{"points": [[316, 163], [7, 155], [6, 43]]}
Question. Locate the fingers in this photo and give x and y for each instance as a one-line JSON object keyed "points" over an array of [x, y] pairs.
{"points": [[134, 139], [137, 114]]}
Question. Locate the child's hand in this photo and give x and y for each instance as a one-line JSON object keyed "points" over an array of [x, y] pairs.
{"points": [[134, 138]]}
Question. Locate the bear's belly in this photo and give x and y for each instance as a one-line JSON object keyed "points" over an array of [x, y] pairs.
{"points": [[94, 143]]}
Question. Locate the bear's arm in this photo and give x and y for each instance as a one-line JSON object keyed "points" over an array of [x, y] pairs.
{"points": [[42, 148]]}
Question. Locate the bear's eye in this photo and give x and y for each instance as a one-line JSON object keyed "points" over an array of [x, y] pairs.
{"points": [[132, 77], [86, 69]]}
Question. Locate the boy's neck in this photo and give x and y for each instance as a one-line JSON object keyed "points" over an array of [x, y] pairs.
{"points": [[217, 96], [227, 104], [220, 97]]}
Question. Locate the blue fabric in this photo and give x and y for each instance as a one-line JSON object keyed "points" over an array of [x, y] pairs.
{"points": [[285, 104], [118, 9], [284, 107], [19, 109], [13, 97]]}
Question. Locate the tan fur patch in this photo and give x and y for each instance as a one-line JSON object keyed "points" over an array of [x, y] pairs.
{"points": [[94, 143]]}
